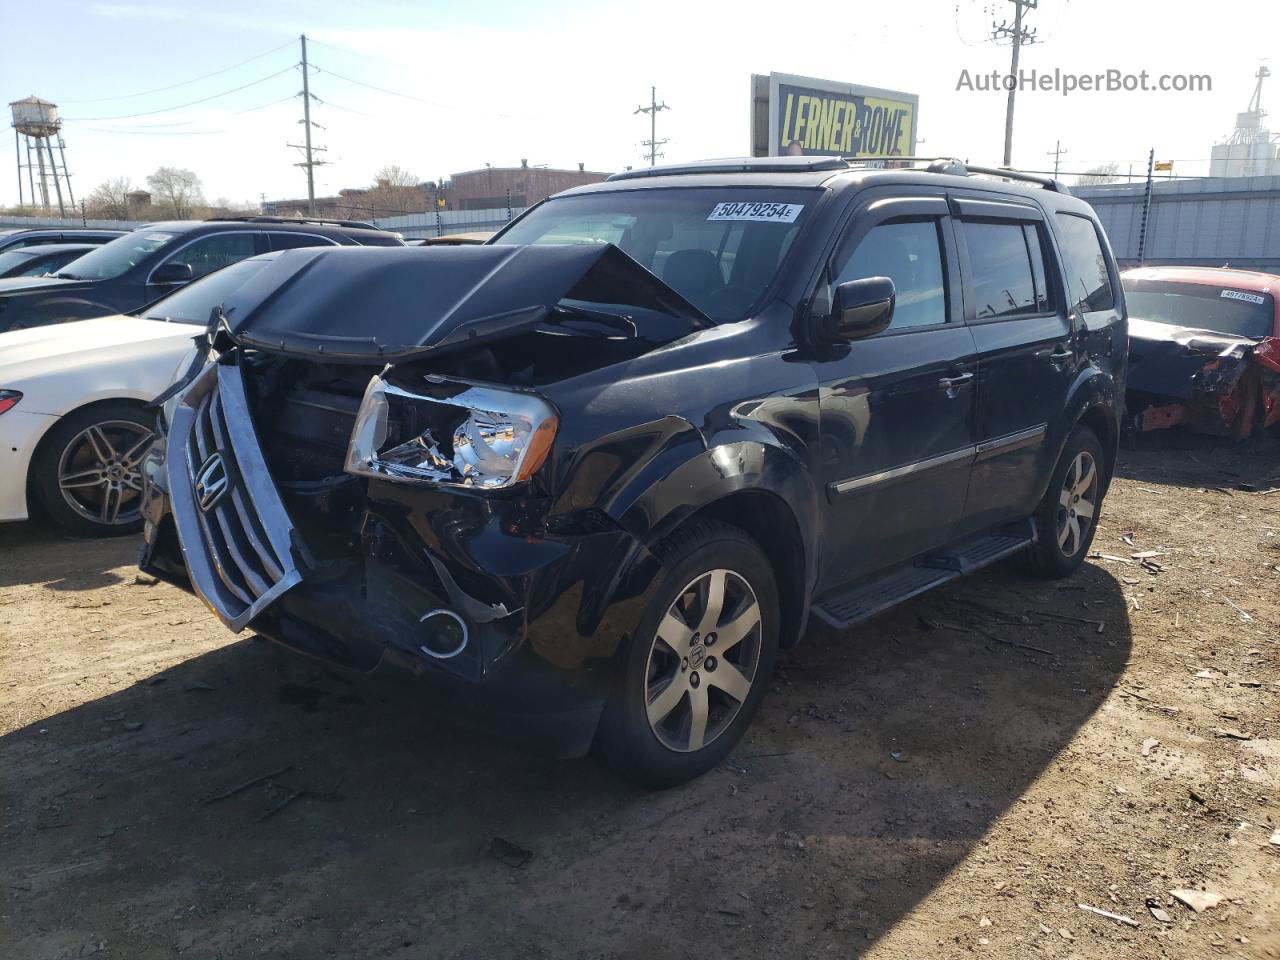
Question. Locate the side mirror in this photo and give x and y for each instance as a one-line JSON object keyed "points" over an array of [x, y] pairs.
{"points": [[860, 308], [171, 273]]}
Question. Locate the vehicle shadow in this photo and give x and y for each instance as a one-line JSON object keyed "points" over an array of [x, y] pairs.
{"points": [[34, 552], [1181, 458], [881, 758]]}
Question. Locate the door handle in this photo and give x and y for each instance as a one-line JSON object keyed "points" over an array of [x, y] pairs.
{"points": [[1059, 356], [950, 383]]}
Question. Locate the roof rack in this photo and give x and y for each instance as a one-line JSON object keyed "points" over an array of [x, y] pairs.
{"points": [[945, 165], [959, 168], [359, 224], [738, 165]]}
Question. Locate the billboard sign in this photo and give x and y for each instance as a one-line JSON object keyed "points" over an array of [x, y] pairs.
{"points": [[802, 116]]}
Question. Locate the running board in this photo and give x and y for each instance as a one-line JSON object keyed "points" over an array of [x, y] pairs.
{"points": [[862, 601]]}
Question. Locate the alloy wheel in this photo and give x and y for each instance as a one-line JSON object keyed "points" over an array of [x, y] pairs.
{"points": [[1077, 503], [703, 661], [100, 474]]}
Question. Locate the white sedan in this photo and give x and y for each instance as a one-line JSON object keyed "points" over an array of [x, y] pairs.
{"points": [[74, 415]]}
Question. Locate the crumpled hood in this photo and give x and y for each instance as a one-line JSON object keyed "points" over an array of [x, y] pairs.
{"points": [[400, 303], [1169, 361]]}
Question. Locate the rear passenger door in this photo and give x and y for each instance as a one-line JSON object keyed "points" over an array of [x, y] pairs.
{"points": [[896, 409], [1025, 351]]}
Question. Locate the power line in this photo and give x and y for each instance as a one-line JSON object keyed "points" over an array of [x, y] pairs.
{"points": [[399, 93], [153, 133], [263, 106], [361, 83], [184, 83], [181, 106]]}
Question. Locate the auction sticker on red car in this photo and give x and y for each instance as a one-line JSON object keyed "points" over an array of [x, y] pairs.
{"points": [[769, 212], [1246, 297]]}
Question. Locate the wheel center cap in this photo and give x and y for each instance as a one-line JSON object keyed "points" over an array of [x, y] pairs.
{"points": [[697, 655]]}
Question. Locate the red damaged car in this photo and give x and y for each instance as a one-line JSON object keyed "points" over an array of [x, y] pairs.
{"points": [[1204, 349]]}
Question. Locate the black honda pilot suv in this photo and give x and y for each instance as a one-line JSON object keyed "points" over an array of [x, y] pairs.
{"points": [[585, 480]]}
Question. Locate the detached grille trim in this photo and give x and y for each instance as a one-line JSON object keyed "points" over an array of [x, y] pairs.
{"points": [[239, 552]]}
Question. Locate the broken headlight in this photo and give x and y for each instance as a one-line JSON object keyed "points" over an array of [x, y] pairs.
{"points": [[450, 433]]}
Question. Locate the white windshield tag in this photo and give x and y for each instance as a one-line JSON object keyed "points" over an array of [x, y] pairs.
{"points": [[1246, 297], [760, 212]]}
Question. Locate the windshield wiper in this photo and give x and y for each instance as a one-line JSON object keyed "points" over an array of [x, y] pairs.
{"points": [[67, 276]]}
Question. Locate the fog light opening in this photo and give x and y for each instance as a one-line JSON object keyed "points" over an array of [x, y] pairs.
{"points": [[446, 634]]}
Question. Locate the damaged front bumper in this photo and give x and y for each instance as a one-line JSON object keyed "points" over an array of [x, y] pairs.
{"points": [[1209, 383], [509, 629]]}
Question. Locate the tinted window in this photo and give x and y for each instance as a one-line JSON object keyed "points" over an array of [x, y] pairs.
{"points": [[1088, 282], [215, 251], [195, 301], [719, 248], [1003, 279], [288, 241], [1222, 309], [14, 261], [910, 254]]}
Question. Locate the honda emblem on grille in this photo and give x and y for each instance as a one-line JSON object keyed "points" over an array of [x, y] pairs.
{"points": [[211, 482]]}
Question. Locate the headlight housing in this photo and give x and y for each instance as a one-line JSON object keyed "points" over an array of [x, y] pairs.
{"points": [[449, 433]]}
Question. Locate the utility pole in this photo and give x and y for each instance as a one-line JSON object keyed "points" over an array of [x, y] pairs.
{"points": [[309, 163], [653, 143], [1056, 153], [1020, 37]]}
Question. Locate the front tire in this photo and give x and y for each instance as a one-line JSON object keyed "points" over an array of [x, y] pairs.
{"points": [[87, 473], [1067, 517], [699, 661]]}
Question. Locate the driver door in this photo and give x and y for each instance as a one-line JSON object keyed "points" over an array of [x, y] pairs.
{"points": [[897, 408]]}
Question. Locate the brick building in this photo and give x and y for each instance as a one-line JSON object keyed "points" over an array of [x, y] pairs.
{"points": [[489, 188]]}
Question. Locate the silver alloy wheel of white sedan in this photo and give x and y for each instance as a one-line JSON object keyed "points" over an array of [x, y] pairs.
{"points": [[703, 661], [1077, 503], [99, 471]]}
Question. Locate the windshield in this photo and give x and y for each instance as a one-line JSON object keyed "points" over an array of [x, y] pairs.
{"points": [[13, 259], [1220, 309], [719, 247], [194, 302], [114, 258]]}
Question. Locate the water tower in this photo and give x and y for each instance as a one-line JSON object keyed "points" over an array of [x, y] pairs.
{"points": [[36, 123]]}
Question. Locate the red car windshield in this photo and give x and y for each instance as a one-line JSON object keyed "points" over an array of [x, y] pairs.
{"points": [[1222, 309]]}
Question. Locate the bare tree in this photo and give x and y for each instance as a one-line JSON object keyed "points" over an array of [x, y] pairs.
{"points": [[176, 192], [110, 200], [395, 190], [1102, 173], [395, 176]]}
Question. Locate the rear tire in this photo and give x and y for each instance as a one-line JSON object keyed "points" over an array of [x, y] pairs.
{"points": [[1067, 517], [87, 473], [699, 660]]}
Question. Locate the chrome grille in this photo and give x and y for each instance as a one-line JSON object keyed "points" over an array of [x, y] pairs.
{"points": [[237, 540]]}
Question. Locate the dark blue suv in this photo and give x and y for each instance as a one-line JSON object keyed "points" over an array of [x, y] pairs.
{"points": [[584, 480], [151, 262]]}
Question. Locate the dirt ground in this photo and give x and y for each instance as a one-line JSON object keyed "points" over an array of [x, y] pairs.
{"points": [[950, 780]]}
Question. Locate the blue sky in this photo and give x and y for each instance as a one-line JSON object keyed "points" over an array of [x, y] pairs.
{"points": [[558, 83]]}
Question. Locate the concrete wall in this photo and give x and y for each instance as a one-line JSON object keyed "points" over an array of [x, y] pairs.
{"points": [[1208, 222]]}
